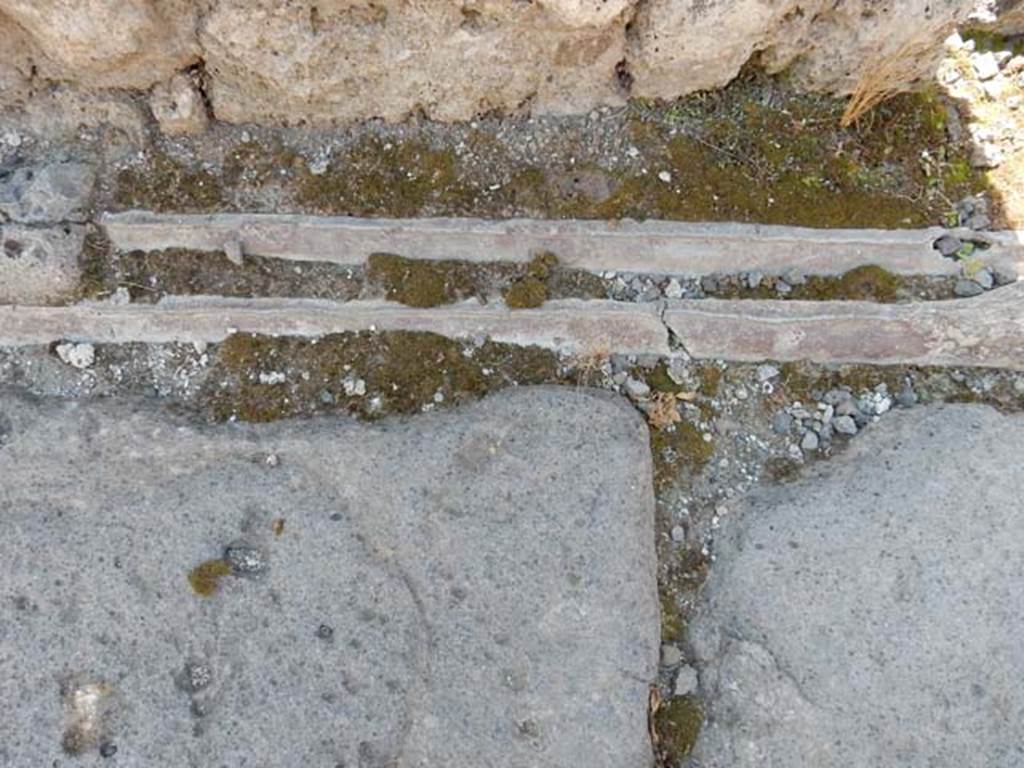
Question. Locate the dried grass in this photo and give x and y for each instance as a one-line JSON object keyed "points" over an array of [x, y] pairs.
{"points": [[663, 411], [592, 361], [890, 75]]}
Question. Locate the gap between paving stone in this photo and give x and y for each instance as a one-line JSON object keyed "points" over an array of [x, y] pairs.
{"points": [[679, 248]]}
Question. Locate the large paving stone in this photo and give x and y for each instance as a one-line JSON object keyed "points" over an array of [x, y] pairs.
{"points": [[871, 614], [47, 193], [39, 265], [473, 588]]}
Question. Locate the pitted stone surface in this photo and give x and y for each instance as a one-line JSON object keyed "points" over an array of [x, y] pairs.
{"points": [[39, 265], [55, 192], [462, 589], [870, 614]]}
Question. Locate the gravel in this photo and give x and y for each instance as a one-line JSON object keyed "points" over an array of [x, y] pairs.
{"points": [[985, 65], [844, 425], [671, 655], [246, 560], [637, 389], [967, 288], [948, 245], [810, 441], [79, 356], [686, 681]]}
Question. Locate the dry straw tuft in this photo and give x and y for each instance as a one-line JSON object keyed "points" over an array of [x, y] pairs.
{"points": [[891, 74]]}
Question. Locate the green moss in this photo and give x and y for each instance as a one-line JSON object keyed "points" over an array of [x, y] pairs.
{"points": [[987, 39], [677, 724], [866, 283], [150, 275], [93, 263], [531, 289], [710, 380], [542, 265], [958, 173], [164, 184], [672, 625], [418, 283], [205, 577], [786, 160], [781, 469], [252, 164], [402, 373], [678, 451], [658, 379], [527, 293], [806, 382], [376, 178]]}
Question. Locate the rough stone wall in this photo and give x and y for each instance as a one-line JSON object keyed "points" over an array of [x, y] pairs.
{"points": [[827, 45], [324, 61]]}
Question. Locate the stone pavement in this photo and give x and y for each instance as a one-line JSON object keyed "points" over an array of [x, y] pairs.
{"points": [[870, 614], [473, 588]]}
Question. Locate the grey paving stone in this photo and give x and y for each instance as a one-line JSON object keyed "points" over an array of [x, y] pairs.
{"points": [[870, 614], [55, 192], [473, 588], [39, 265]]}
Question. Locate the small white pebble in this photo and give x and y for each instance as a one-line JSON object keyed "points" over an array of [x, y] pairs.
{"points": [[272, 378], [79, 356]]}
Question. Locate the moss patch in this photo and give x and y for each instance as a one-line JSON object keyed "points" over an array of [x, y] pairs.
{"points": [[150, 275], [786, 161], [400, 372], [781, 469], [710, 380], [420, 283], [165, 184], [867, 283], [679, 451], [672, 625], [253, 164], [753, 151], [677, 724], [377, 178], [527, 293], [94, 266], [545, 278], [805, 382], [205, 577]]}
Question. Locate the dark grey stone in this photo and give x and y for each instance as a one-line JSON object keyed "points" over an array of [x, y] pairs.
{"points": [[844, 425], [489, 575], [948, 245], [907, 397], [967, 288], [782, 422]]}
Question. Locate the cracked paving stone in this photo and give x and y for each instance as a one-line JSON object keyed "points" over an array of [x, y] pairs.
{"points": [[486, 575], [869, 614]]}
